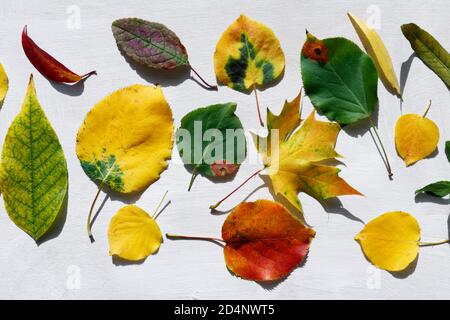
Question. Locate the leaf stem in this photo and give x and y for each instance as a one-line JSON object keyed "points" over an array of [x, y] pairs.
{"points": [[87, 75], [424, 244], [428, 109], [155, 214], [89, 229], [257, 106], [193, 176], [211, 87], [388, 165], [212, 207], [177, 236]]}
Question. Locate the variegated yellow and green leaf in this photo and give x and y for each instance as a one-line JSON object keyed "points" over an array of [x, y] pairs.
{"points": [[248, 54], [33, 174]]}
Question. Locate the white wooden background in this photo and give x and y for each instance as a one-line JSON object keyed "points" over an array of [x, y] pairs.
{"points": [[68, 266]]}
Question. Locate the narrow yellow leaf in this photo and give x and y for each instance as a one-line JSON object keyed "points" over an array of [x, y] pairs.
{"points": [[3, 84], [376, 49], [391, 241]]}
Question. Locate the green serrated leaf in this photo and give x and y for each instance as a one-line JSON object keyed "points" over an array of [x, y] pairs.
{"points": [[339, 78], [204, 140], [447, 150], [34, 170], [437, 189], [149, 43], [429, 50]]}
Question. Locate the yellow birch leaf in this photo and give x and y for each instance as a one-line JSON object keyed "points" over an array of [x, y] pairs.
{"points": [[391, 241], [376, 49], [3, 84], [133, 234], [416, 137]]}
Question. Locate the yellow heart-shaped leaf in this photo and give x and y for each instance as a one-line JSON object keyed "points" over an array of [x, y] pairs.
{"points": [[391, 241], [133, 234]]}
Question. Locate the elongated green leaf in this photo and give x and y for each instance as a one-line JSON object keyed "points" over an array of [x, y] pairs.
{"points": [[339, 78], [212, 140], [149, 43], [447, 150], [429, 50], [437, 189], [34, 170]]}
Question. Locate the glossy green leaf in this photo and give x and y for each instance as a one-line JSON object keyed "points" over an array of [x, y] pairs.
{"points": [[339, 78], [149, 43], [447, 150], [437, 189], [429, 50], [34, 171], [212, 141]]}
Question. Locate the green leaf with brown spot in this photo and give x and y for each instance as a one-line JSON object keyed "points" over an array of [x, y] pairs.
{"points": [[33, 176]]}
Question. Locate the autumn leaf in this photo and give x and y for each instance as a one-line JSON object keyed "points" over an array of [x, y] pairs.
{"points": [[391, 241], [133, 234], [341, 82], [33, 175], [248, 55], [447, 150], [376, 49], [125, 140], [219, 155], [416, 137], [48, 66], [3, 84], [429, 50], [151, 44], [263, 241], [296, 165]]}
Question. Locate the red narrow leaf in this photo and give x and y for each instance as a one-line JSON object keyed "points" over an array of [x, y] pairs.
{"points": [[48, 66]]}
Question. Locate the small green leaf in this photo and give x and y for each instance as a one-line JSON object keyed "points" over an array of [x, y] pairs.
{"points": [[212, 140], [339, 78], [437, 189], [149, 43], [447, 150], [429, 50], [34, 170]]}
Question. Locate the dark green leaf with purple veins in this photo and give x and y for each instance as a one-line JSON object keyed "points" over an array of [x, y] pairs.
{"points": [[149, 43]]}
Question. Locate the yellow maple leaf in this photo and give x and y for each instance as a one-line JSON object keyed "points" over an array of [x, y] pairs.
{"points": [[3, 84], [296, 163]]}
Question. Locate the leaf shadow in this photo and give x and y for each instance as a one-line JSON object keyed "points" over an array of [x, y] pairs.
{"points": [[73, 90], [409, 270], [334, 206], [165, 78], [425, 197], [58, 225], [221, 212], [404, 72], [359, 128]]}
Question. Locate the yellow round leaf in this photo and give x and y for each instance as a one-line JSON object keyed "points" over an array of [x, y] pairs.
{"points": [[416, 137], [133, 234], [126, 138], [391, 241], [248, 54], [3, 84]]}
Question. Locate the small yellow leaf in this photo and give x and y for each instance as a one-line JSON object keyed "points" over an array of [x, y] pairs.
{"points": [[416, 137], [133, 234], [376, 49], [3, 84], [391, 241]]}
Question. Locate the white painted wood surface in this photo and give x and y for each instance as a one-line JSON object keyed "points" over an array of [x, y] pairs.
{"points": [[335, 268]]}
